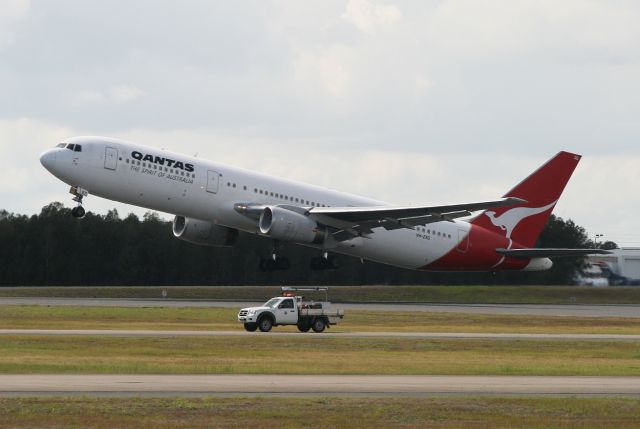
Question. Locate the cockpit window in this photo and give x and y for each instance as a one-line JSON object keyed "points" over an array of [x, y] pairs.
{"points": [[78, 148], [61, 145], [71, 146]]}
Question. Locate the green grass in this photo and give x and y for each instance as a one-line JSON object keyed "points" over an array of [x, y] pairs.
{"points": [[348, 413], [449, 294], [316, 354], [192, 318]]}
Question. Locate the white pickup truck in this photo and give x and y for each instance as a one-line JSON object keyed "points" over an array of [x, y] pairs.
{"points": [[290, 310]]}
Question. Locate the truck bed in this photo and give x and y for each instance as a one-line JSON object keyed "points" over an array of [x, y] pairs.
{"points": [[332, 314]]}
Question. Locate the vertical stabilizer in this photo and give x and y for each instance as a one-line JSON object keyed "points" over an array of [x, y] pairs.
{"points": [[542, 189]]}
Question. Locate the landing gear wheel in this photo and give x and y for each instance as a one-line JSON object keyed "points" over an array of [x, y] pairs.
{"points": [[318, 325], [265, 324], [265, 265], [268, 265], [304, 326], [283, 264], [78, 212], [320, 264], [250, 327]]}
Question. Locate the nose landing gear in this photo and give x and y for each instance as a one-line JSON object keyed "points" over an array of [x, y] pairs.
{"points": [[79, 194]]}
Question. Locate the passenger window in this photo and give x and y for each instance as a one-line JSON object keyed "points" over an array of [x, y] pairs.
{"points": [[287, 303]]}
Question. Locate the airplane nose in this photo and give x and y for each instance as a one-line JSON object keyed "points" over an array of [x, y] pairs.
{"points": [[47, 159]]}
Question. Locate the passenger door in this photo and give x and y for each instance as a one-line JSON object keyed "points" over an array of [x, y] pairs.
{"points": [[287, 313], [213, 177], [110, 158]]}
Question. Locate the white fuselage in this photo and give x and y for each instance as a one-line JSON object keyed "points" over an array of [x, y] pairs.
{"points": [[127, 172]]}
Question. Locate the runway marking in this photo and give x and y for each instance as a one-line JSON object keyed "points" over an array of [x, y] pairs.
{"points": [[241, 333], [11, 384]]}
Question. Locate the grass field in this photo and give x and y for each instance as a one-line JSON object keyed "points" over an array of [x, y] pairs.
{"points": [[315, 355], [191, 318], [457, 294], [348, 413]]}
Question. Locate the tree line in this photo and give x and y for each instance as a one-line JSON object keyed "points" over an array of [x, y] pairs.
{"points": [[53, 248]]}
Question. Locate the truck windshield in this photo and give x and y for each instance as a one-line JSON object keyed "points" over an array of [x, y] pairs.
{"points": [[272, 303]]}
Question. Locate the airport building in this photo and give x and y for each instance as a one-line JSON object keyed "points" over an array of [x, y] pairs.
{"points": [[624, 262]]}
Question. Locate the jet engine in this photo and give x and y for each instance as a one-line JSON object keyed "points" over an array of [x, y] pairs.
{"points": [[287, 225], [203, 233]]}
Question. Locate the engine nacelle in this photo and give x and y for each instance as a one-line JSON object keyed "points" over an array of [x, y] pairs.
{"points": [[286, 225], [203, 233]]}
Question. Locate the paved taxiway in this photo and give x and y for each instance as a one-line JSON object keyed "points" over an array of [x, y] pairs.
{"points": [[515, 309], [141, 385], [241, 333]]}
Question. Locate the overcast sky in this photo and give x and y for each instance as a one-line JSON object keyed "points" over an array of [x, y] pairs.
{"points": [[412, 102]]}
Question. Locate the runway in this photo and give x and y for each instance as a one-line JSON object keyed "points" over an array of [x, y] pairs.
{"points": [[242, 333], [202, 385], [501, 309]]}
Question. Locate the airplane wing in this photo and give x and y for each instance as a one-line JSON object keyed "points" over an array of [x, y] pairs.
{"points": [[351, 222], [550, 253]]}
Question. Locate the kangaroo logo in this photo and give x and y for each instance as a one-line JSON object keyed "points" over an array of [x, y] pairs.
{"points": [[509, 220]]}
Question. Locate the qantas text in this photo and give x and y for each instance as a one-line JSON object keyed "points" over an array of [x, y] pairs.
{"points": [[162, 161]]}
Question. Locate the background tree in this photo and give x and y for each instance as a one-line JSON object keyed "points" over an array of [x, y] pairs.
{"points": [[53, 248]]}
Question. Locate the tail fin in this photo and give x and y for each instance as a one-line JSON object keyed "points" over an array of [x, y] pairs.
{"points": [[542, 189]]}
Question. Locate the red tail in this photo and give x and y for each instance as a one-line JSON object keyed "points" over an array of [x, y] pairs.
{"points": [[542, 189]]}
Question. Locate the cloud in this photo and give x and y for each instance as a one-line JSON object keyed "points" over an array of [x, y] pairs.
{"points": [[13, 12], [369, 17], [118, 94]]}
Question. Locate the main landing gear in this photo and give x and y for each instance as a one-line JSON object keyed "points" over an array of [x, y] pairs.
{"points": [[325, 262], [278, 263], [275, 263], [79, 194]]}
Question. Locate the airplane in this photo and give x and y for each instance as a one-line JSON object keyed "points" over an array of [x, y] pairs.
{"points": [[212, 202]]}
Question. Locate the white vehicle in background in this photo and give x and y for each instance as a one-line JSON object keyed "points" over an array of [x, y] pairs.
{"points": [[291, 309], [593, 275]]}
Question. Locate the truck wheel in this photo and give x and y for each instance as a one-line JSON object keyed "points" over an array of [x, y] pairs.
{"points": [[250, 327], [318, 325], [304, 326], [265, 324]]}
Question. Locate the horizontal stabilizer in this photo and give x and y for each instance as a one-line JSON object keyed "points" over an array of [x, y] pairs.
{"points": [[550, 253]]}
